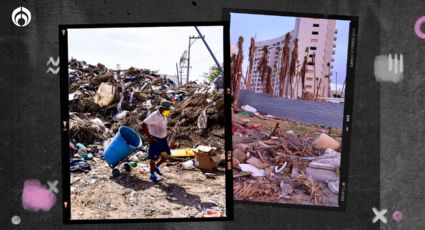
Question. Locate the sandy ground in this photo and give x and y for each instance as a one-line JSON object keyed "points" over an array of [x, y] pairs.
{"points": [[132, 195]]}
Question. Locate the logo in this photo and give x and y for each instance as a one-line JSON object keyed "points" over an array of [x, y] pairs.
{"points": [[21, 16]]}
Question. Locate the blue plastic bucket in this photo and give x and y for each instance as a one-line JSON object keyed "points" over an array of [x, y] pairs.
{"points": [[123, 144]]}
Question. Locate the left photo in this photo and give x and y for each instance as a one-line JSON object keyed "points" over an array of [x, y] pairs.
{"points": [[146, 126]]}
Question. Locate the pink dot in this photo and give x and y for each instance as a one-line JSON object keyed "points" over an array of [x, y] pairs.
{"points": [[418, 25], [397, 216], [36, 197]]}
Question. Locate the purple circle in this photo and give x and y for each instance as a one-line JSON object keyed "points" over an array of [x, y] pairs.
{"points": [[418, 30], [397, 216]]}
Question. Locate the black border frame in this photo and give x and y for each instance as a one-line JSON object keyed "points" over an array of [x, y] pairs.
{"points": [[66, 175], [348, 102]]}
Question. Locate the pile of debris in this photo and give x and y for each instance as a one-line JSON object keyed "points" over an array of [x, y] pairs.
{"points": [[101, 100], [283, 161]]}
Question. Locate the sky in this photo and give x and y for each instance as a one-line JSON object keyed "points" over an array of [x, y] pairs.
{"points": [[263, 27], [154, 48]]}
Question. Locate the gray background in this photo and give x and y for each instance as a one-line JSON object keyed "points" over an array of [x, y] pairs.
{"points": [[30, 143], [402, 116]]}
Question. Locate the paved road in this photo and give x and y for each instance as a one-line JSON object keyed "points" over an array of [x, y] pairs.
{"points": [[318, 113]]}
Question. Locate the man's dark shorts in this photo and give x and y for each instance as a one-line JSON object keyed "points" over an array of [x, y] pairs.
{"points": [[158, 145]]}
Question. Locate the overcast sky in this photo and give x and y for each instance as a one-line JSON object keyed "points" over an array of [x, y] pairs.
{"points": [[155, 48], [266, 27]]}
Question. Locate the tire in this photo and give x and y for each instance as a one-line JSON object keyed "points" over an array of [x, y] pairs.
{"points": [[127, 167], [115, 172]]}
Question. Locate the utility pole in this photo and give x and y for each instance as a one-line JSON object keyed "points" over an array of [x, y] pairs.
{"points": [[181, 75], [212, 54], [336, 81], [188, 54], [177, 69], [188, 62], [343, 88], [314, 72]]}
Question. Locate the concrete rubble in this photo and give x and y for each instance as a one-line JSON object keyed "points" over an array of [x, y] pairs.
{"points": [[100, 101]]}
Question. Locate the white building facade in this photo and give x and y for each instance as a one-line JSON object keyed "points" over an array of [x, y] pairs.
{"points": [[319, 36]]}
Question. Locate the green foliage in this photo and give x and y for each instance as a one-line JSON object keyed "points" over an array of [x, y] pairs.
{"points": [[212, 74]]}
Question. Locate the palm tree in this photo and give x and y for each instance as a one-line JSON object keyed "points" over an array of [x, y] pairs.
{"points": [[237, 70], [313, 60], [293, 66], [269, 88], [262, 67], [284, 65], [251, 61], [302, 74], [233, 73]]}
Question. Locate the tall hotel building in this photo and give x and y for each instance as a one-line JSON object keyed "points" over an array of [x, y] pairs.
{"points": [[319, 36]]}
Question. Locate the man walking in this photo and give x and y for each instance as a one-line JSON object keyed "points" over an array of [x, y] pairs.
{"points": [[155, 128]]}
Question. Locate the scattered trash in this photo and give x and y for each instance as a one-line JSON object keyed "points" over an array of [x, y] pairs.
{"points": [[256, 162], [334, 186], [210, 175], [81, 146], [290, 132], [183, 152], [143, 166], [321, 174], [202, 120], [246, 113], [249, 108], [105, 95], [324, 142], [311, 187], [206, 158], [278, 170], [283, 161], [240, 155], [98, 122], [121, 115], [188, 165], [79, 166], [252, 169], [211, 213], [286, 188]]}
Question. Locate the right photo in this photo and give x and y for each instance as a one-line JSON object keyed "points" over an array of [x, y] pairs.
{"points": [[289, 77]]}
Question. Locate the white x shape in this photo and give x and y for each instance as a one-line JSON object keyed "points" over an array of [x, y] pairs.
{"points": [[52, 186], [379, 215]]}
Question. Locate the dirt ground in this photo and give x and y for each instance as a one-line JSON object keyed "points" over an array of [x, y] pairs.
{"points": [[132, 195], [268, 188]]}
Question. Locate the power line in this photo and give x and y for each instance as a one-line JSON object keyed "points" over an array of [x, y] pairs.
{"points": [[201, 59]]}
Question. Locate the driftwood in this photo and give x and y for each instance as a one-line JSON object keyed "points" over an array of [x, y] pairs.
{"points": [[242, 174], [273, 130]]}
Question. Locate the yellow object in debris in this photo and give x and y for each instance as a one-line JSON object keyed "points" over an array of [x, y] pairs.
{"points": [[184, 152]]}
